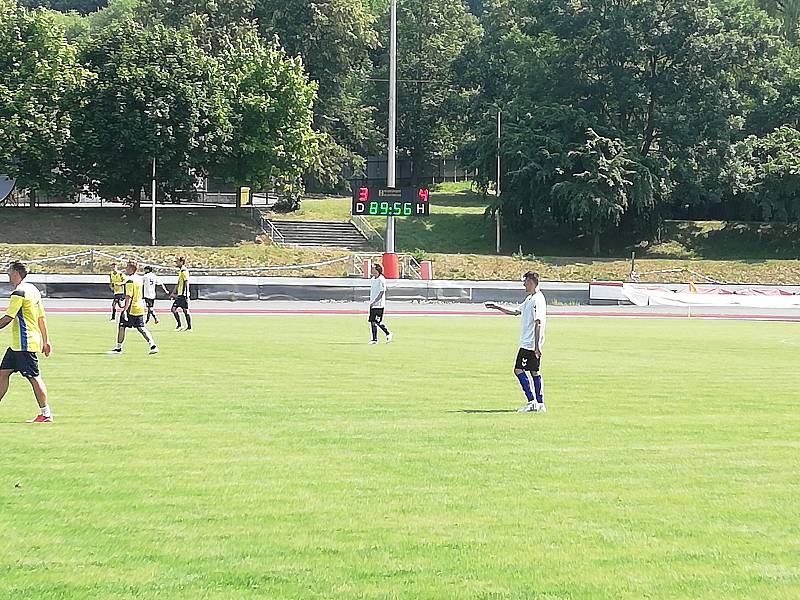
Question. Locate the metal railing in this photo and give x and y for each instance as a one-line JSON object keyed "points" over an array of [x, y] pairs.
{"points": [[267, 227], [409, 266], [230, 198], [367, 230], [272, 231]]}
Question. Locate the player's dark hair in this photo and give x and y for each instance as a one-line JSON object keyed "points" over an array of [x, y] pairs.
{"points": [[378, 268], [148, 269], [20, 268], [533, 276]]}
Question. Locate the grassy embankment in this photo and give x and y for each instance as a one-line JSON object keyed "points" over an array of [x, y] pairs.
{"points": [[457, 237]]}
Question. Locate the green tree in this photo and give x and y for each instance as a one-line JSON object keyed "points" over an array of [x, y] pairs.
{"points": [[333, 39], [154, 93], [80, 6], [600, 184], [766, 171], [433, 36], [76, 25], [788, 11], [39, 84], [272, 140], [675, 82]]}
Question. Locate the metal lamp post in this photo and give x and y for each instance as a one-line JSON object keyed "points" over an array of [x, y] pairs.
{"points": [[390, 263]]}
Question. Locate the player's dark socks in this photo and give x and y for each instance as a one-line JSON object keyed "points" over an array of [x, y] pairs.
{"points": [[384, 329], [537, 385], [177, 318], [188, 321], [526, 385], [374, 332]]}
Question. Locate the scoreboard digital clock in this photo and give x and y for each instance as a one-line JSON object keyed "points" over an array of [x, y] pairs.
{"points": [[391, 202]]}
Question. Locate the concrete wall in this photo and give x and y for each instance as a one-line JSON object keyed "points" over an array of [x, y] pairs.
{"points": [[295, 288]]}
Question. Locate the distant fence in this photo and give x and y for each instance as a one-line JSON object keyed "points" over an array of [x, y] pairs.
{"points": [[435, 171], [262, 199]]}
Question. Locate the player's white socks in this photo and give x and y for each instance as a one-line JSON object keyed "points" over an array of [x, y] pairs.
{"points": [[118, 346], [46, 411]]}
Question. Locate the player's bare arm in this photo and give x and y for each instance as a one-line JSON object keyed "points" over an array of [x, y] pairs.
{"points": [[502, 309], [5, 320], [47, 347], [537, 331]]}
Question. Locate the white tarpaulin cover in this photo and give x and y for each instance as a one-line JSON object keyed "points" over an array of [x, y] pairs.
{"points": [[642, 295]]}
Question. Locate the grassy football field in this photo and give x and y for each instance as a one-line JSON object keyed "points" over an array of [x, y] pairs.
{"points": [[285, 458]]}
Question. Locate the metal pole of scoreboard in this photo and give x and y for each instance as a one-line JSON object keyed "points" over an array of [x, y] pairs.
{"points": [[153, 209], [497, 214], [390, 263]]}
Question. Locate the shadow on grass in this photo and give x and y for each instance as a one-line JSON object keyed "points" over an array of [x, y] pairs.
{"points": [[727, 240], [459, 200], [447, 233]]}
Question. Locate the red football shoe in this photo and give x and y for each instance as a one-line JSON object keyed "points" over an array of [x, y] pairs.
{"points": [[40, 419]]}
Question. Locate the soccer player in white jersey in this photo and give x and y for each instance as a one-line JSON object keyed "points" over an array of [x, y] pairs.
{"points": [[529, 358], [150, 282], [377, 304]]}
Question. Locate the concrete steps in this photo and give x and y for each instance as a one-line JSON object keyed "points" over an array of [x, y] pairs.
{"points": [[321, 233]]}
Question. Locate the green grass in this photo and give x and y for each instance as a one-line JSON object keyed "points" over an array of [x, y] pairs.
{"points": [[726, 240], [112, 226], [456, 236], [456, 225], [284, 458]]}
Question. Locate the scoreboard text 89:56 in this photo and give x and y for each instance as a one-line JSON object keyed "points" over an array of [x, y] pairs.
{"points": [[391, 202]]}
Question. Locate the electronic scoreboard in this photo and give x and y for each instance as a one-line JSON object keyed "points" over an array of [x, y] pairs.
{"points": [[391, 202]]}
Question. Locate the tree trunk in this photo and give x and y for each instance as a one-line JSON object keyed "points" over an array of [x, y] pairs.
{"points": [[32, 198], [649, 132], [596, 245]]}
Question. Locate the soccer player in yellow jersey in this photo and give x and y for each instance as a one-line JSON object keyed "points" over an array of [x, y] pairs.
{"points": [[29, 336], [133, 310], [181, 295], [116, 279]]}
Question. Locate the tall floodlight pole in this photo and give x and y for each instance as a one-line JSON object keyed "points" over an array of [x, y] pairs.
{"points": [[153, 210], [497, 214], [390, 168]]}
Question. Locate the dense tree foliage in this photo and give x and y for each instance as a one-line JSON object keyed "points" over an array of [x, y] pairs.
{"points": [[671, 85], [332, 38], [617, 113], [138, 91], [433, 36], [39, 86], [154, 94], [80, 6], [272, 141]]}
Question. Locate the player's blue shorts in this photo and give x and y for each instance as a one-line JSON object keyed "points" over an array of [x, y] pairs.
{"points": [[24, 363]]}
